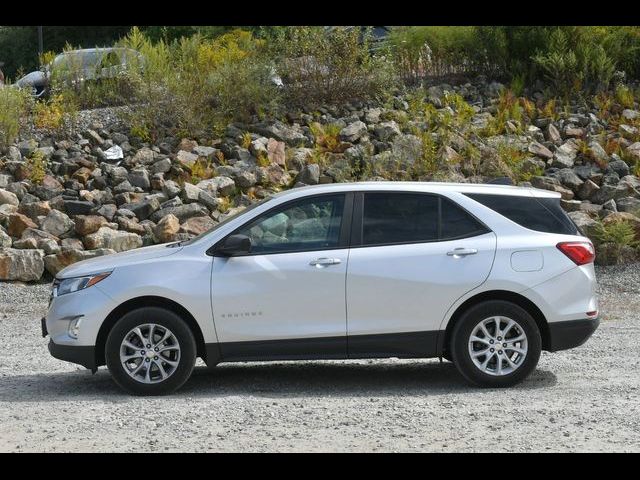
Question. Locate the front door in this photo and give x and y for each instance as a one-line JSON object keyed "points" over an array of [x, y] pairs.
{"points": [[286, 299]]}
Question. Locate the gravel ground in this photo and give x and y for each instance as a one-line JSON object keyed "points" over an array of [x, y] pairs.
{"points": [[586, 399]]}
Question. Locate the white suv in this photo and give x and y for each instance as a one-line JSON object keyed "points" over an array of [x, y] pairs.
{"points": [[486, 276]]}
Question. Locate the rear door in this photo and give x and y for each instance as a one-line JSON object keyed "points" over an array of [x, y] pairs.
{"points": [[412, 256]]}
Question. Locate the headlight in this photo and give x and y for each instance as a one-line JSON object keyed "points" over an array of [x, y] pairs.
{"points": [[70, 285]]}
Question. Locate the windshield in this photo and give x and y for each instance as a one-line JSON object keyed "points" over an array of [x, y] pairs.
{"points": [[225, 221]]}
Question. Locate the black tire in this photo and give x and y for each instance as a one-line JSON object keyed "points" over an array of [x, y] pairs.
{"points": [[164, 318], [459, 346]]}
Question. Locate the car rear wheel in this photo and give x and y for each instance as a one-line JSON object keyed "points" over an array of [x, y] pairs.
{"points": [[495, 344], [150, 351]]}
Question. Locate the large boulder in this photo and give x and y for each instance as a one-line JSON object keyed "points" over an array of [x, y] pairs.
{"points": [[55, 263], [87, 224], [197, 225], [116, 240], [23, 265], [17, 223], [8, 198], [57, 223], [167, 228], [353, 132]]}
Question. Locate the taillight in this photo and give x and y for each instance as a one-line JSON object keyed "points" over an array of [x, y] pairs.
{"points": [[580, 252]]}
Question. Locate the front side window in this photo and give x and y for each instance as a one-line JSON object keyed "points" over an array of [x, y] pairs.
{"points": [[309, 224]]}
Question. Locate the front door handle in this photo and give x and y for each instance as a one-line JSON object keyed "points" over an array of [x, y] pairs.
{"points": [[462, 252], [324, 262]]}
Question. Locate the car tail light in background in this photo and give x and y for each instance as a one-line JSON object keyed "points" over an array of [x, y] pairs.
{"points": [[580, 252]]}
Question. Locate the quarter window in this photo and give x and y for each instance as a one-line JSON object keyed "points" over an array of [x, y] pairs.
{"points": [[310, 224]]}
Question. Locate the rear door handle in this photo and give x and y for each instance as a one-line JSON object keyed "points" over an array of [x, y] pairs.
{"points": [[324, 262], [462, 252]]}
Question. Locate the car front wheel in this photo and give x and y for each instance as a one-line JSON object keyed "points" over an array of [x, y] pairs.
{"points": [[150, 351], [496, 344]]}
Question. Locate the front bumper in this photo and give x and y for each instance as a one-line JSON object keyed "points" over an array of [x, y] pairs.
{"points": [[571, 334], [81, 354]]}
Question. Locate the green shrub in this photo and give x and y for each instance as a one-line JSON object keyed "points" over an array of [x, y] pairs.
{"points": [[329, 68], [14, 109], [36, 166]]}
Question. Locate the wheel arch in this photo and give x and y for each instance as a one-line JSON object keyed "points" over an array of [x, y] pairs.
{"points": [[147, 301], [505, 295]]}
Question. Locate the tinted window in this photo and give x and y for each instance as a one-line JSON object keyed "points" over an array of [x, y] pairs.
{"points": [[457, 223], [399, 218], [310, 224], [540, 214]]}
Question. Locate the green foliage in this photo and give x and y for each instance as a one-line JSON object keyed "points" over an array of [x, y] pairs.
{"points": [[509, 109], [36, 166], [320, 67], [513, 158], [621, 234], [14, 108], [624, 96]]}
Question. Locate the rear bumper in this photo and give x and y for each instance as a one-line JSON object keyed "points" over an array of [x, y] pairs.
{"points": [[81, 354], [571, 334]]}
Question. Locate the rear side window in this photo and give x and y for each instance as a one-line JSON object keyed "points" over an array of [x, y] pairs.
{"points": [[393, 218], [540, 214]]}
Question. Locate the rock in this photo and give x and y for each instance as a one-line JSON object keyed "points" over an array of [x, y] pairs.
{"points": [[161, 166], [139, 177], [275, 152], [167, 228], [26, 243], [78, 207], [55, 263], [107, 211], [310, 174], [633, 151], [540, 150], [627, 131], [299, 157], [5, 240], [573, 132], [598, 152], [221, 185], [22, 265], [629, 114], [186, 158], [245, 179], [71, 244], [569, 179], [553, 184], [187, 144], [353, 132], [618, 166], [116, 240], [585, 223], [17, 223], [553, 135], [197, 225], [14, 154], [130, 225], [629, 205], [587, 190], [8, 198], [190, 193], [282, 132], [27, 147], [143, 209], [564, 156], [57, 223], [87, 224], [386, 131], [182, 212]]}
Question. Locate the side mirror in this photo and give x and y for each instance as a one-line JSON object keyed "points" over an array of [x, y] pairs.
{"points": [[234, 245]]}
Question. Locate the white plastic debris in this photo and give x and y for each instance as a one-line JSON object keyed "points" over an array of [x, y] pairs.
{"points": [[114, 153]]}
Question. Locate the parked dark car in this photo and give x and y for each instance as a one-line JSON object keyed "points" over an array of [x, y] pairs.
{"points": [[91, 64]]}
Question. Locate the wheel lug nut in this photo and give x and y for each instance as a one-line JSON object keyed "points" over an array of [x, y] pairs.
{"points": [[156, 349], [146, 360], [499, 338], [491, 350], [491, 342], [141, 352], [499, 352], [504, 345], [155, 358], [148, 346]]}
